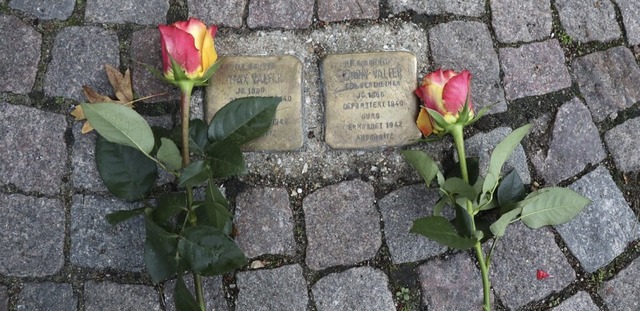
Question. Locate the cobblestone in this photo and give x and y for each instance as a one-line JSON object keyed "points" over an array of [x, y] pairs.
{"points": [[4, 298], [78, 58], [624, 145], [264, 222], [622, 292], [342, 225], [32, 243], [18, 71], [262, 290], [357, 289], [450, 284], [630, 10], [47, 296], [603, 229], [146, 49], [573, 123], [337, 10], [435, 7], [213, 293], [45, 9], [225, 13], [517, 256], [580, 301], [609, 81], [124, 297], [586, 21], [399, 209], [97, 244], [534, 69], [37, 164], [467, 45], [289, 14], [143, 12], [516, 21]]}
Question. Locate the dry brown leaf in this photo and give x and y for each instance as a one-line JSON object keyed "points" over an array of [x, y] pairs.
{"points": [[86, 128], [95, 97], [121, 83], [78, 113]]}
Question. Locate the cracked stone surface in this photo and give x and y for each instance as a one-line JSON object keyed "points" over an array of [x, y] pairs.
{"points": [[142, 12], [534, 69], [624, 145], [45, 9], [357, 289], [264, 222], [288, 14], [262, 290], [434, 7], [47, 296], [573, 123], [588, 21], [622, 292], [339, 10], [343, 226], [114, 296], [225, 13], [33, 239], [609, 81], [604, 228], [37, 164], [580, 301], [467, 45], [18, 71], [517, 21]]}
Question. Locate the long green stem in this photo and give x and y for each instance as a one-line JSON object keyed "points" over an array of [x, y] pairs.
{"points": [[185, 101], [458, 139]]}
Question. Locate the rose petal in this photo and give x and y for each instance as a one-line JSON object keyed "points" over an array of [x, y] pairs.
{"points": [[424, 122], [454, 93], [541, 274], [181, 46]]}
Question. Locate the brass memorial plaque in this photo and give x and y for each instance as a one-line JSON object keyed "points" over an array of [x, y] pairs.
{"points": [[246, 76], [369, 99]]}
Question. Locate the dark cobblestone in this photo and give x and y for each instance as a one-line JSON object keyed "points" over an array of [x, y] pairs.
{"points": [[517, 21], [262, 290], [622, 292], [357, 289], [289, 14], [4, 298], [534, 69], [47, 296], [123, 297], [435, 7], [143, 12], [225, 13], [18, 71], [623, 144], [38, 163], [580, 301], [609, 81], [32, 242], [585, 21], [213, 293], [146, 49], [45, 9], [339, 10], [78, 58]]}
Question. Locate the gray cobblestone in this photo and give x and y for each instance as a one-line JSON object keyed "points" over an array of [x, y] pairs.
{"points": [[517, 256], [143, 12], [586, 21], [262, 290], [213, 293], [18, 71], [450, 284], [481, 145], [147, 49], [32, 242], [38, 163], [609, 81], [517, 21], [399, 209], [623, 144], [289, 14], [226, 13], [4, 298], [97, 244], [123, 297], [534, 69], [573, 124], [78, 58], [342, 225], [603, 229], [622, 292], [436, 7], [264, 222], [45, 9], [340, 10], [357, 289], [580, 301], [630, 10], [467, 45], [47, 296]]}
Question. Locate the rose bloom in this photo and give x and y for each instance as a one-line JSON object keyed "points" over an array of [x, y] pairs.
{"points": [[190, 44], [445, 92]]}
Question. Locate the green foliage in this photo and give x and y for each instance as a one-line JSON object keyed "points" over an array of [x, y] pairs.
{"points": [[423, 163], [243, 119], [551, 206], [168, 153], [208, 251], [440, 230], [183, 297]]}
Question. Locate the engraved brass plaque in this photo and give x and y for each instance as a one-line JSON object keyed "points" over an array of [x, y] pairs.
{"points": [[369, 99], [246, 76]]}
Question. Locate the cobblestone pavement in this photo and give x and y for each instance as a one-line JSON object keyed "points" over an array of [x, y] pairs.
{"points": [[328, 229]]}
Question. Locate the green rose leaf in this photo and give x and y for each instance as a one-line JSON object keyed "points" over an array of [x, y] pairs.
{"points": [[459, 186], [169, 205], [505, 148], [439, 229], [122, 215], [225, 159], [243, 119], [208, 251], [160, 249], [169, 154], [463, 222], [423, 163], [500, 225], [473, 168], [127, 172], [183, 297], [215, 212], [551, 206], [511, 189], [194, 174], [121, 125], [198, 140]]}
